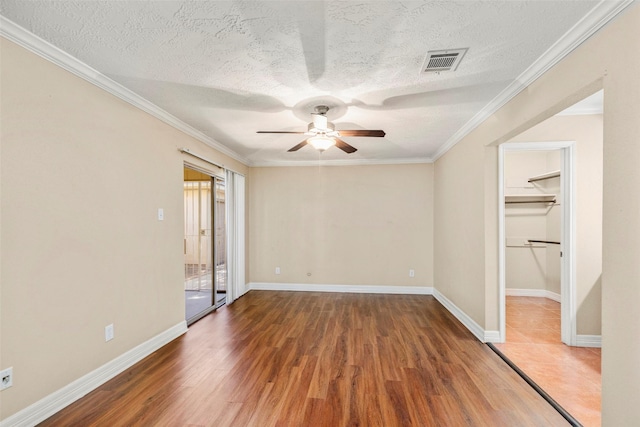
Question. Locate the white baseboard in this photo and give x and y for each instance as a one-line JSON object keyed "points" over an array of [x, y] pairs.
{"points": [[467, 321], [357, 289], [589, 341], [538, 293], [58, 400], [492, 336]]}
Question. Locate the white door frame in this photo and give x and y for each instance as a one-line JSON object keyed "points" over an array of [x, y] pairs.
{"points": [[567, 225]]}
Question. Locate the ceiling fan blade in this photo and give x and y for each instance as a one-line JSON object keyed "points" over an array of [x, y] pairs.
{"points": [[299, 146], [362, 132], [279, 131], [344, 146]]}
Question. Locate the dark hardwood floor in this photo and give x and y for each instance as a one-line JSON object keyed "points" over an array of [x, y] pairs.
{"points": [[318, 359]]}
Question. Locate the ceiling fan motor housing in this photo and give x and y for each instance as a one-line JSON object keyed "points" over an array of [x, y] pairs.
{"points": [[312, 128]]}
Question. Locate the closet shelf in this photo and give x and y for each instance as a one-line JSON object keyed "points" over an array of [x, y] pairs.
{"points": [[548, 175], [530, 198]]}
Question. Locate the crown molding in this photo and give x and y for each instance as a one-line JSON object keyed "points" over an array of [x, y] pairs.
{"points": [[21, 36], [342, 162], [581, 111], [597, 18]]}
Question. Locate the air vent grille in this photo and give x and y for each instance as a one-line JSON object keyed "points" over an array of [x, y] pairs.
{"points": [[443, 60]]}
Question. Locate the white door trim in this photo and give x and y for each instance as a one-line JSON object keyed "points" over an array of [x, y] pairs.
{"points": [[568, 228]]}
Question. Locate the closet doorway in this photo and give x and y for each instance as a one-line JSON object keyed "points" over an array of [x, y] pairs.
{"points": [[537, 223], [205, 269]]}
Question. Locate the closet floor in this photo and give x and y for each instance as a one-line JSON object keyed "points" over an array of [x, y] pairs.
{"points": [[570, 375]]}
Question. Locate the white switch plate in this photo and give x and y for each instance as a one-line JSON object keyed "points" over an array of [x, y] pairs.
{"points": [[277, 270], [6, 378], [412, 273], [108, 332], [160, 214]]}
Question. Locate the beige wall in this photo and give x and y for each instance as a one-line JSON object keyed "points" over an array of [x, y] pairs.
{"points": [[83, 174], [347, 225], [608, 60], [459, 218], [587, 132]]}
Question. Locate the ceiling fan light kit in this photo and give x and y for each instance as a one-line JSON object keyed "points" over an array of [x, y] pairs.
{"points": [[321, 143], [323, 133]]}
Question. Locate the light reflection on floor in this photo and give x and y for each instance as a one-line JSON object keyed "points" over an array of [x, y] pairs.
{"points": [[198, 291]]}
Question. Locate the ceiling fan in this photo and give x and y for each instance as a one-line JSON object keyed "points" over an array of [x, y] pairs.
{"points": [[323, 135]]}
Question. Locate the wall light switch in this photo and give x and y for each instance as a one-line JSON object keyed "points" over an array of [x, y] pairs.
{"points": [[108, 332], [277, 270], [412, 273], [160, 214]]}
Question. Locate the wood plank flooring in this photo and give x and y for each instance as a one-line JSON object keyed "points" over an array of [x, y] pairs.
{"points": [[318, 359], [570, 375]]}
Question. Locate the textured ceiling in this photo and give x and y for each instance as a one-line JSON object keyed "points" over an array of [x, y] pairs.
{"points": [[230, 68]]}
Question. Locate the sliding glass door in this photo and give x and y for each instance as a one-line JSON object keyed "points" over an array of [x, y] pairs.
{"points": [[204, 242]]}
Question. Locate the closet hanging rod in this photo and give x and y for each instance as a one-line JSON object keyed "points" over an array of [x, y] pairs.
{"points": [[530, 198], [543, 241], [532, 201]]}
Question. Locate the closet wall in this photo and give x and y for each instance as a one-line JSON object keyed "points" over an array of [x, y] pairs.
{"points": [[532, 212]]}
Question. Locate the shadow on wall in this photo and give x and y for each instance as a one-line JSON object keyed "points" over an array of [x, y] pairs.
{"points": [[589, 310]]}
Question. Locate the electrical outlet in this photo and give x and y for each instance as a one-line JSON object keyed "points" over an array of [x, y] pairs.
{"points": [[108, 332], [277, 270], [412, 273], [6, 378]]}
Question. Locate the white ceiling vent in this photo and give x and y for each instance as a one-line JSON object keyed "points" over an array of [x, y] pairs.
{"points": [[443, 60]]}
